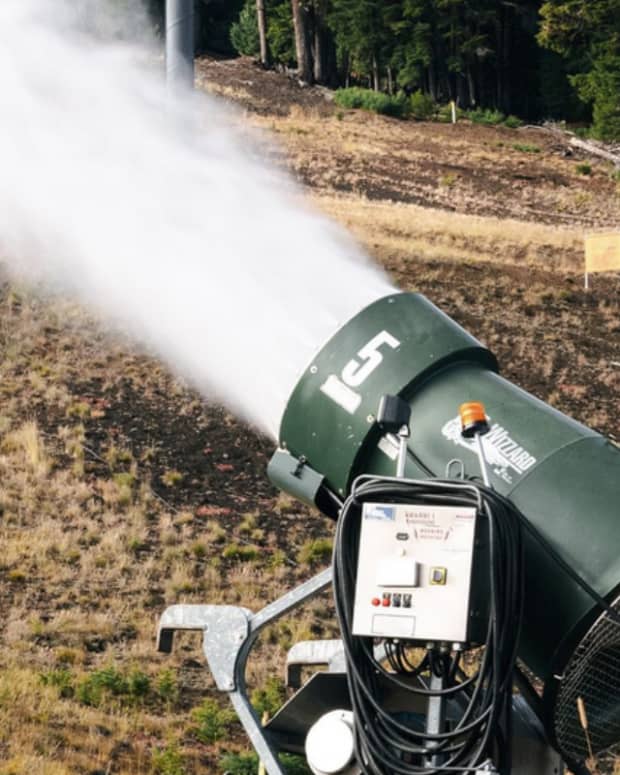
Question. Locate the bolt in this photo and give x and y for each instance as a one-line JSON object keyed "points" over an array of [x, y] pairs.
{"points": [[313, 369], [370, 418]]}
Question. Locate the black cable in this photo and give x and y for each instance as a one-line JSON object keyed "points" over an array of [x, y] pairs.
{"points": [[383, 743]]}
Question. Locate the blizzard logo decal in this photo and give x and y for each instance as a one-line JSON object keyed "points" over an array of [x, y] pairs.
{"points": [[502, 452]]}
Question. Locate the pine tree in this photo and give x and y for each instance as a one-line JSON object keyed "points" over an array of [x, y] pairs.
{"points": [[244, 32], [361, 36], [587, 34]]}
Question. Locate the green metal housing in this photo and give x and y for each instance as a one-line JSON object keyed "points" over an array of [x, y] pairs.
{"points": [[563, 476]]}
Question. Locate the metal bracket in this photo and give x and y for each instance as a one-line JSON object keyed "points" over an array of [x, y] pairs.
{"points": [[310, 652], [224, 629], [228, 634]]}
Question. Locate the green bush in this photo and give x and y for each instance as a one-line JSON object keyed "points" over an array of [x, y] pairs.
{"points": [[422, 106], [512, 122], [167, 686], [318, 550], [61, 679], [584, 169], [269, 698], [168, 761], [212, 721], [444, 113], [377, 102], [108, 683], [526, 148], [486, 116], [244, 33], [241, 553], [247, 764]]}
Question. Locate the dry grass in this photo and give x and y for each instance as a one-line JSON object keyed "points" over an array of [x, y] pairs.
{"points": [[422, 234]]}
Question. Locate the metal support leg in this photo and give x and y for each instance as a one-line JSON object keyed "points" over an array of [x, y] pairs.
{"points": [[229, 632], [436, 718]]}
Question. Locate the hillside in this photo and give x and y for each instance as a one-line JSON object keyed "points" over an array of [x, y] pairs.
{"points": [[122, 491]]}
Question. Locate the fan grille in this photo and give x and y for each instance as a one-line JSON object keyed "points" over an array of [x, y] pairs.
{"points": [[592, 674]]}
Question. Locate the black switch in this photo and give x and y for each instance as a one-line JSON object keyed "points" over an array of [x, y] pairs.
{"points": [[393, 413]]}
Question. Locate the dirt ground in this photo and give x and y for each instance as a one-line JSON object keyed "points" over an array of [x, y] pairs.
{"points": [[122, 491], [527, 174]]}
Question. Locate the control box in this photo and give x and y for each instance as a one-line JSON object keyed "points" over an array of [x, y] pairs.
{"points": [[414, 572]]}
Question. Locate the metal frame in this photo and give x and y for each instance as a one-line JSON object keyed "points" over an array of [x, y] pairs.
{"points": [[228, 634]]}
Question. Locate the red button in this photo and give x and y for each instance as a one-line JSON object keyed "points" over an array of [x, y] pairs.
{"points": [[386, 602], [375, 601]]}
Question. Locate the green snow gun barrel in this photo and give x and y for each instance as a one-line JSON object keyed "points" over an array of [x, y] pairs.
{"points": [[564, 477]]}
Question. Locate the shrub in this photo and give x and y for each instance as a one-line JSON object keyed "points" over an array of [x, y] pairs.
{"points": [[444, 113], [168, 760], [241, 553], [512, 122], [247, 764], [486, 116], [525, 148], [171, 478], [583, 169], [108, 683], [213, 722], [366, 99], [318, 550], [268, 698], [422, 106], [199, 550], [60, 679], [167, 687], [138, 685], [448, 180], [101, 684]]}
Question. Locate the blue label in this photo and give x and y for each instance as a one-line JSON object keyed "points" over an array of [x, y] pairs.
{"points": [[379, 512]]}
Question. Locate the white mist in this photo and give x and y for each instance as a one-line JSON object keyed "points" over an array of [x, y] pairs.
{"points": [[171, 228]]}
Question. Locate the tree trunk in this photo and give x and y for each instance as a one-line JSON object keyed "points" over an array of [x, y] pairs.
{"points": [[375, 74], [507, 58], [319, 49], [499, 64], [262, 32], [460, 88], [390, 81], [471, 85], [432, 80], [302, 40]]}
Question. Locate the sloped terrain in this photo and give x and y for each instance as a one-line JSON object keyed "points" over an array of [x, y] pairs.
{"points": [[122, 491]]}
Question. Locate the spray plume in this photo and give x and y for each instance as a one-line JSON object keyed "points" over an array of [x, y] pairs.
{"points": [[171, 228]]}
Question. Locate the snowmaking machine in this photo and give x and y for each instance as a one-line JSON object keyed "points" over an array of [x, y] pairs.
{"points": [[476, 566]]}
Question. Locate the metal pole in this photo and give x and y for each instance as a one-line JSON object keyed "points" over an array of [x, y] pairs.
{"points": [[180, 44], [483, 460], [401, 464], [435, 718]]}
